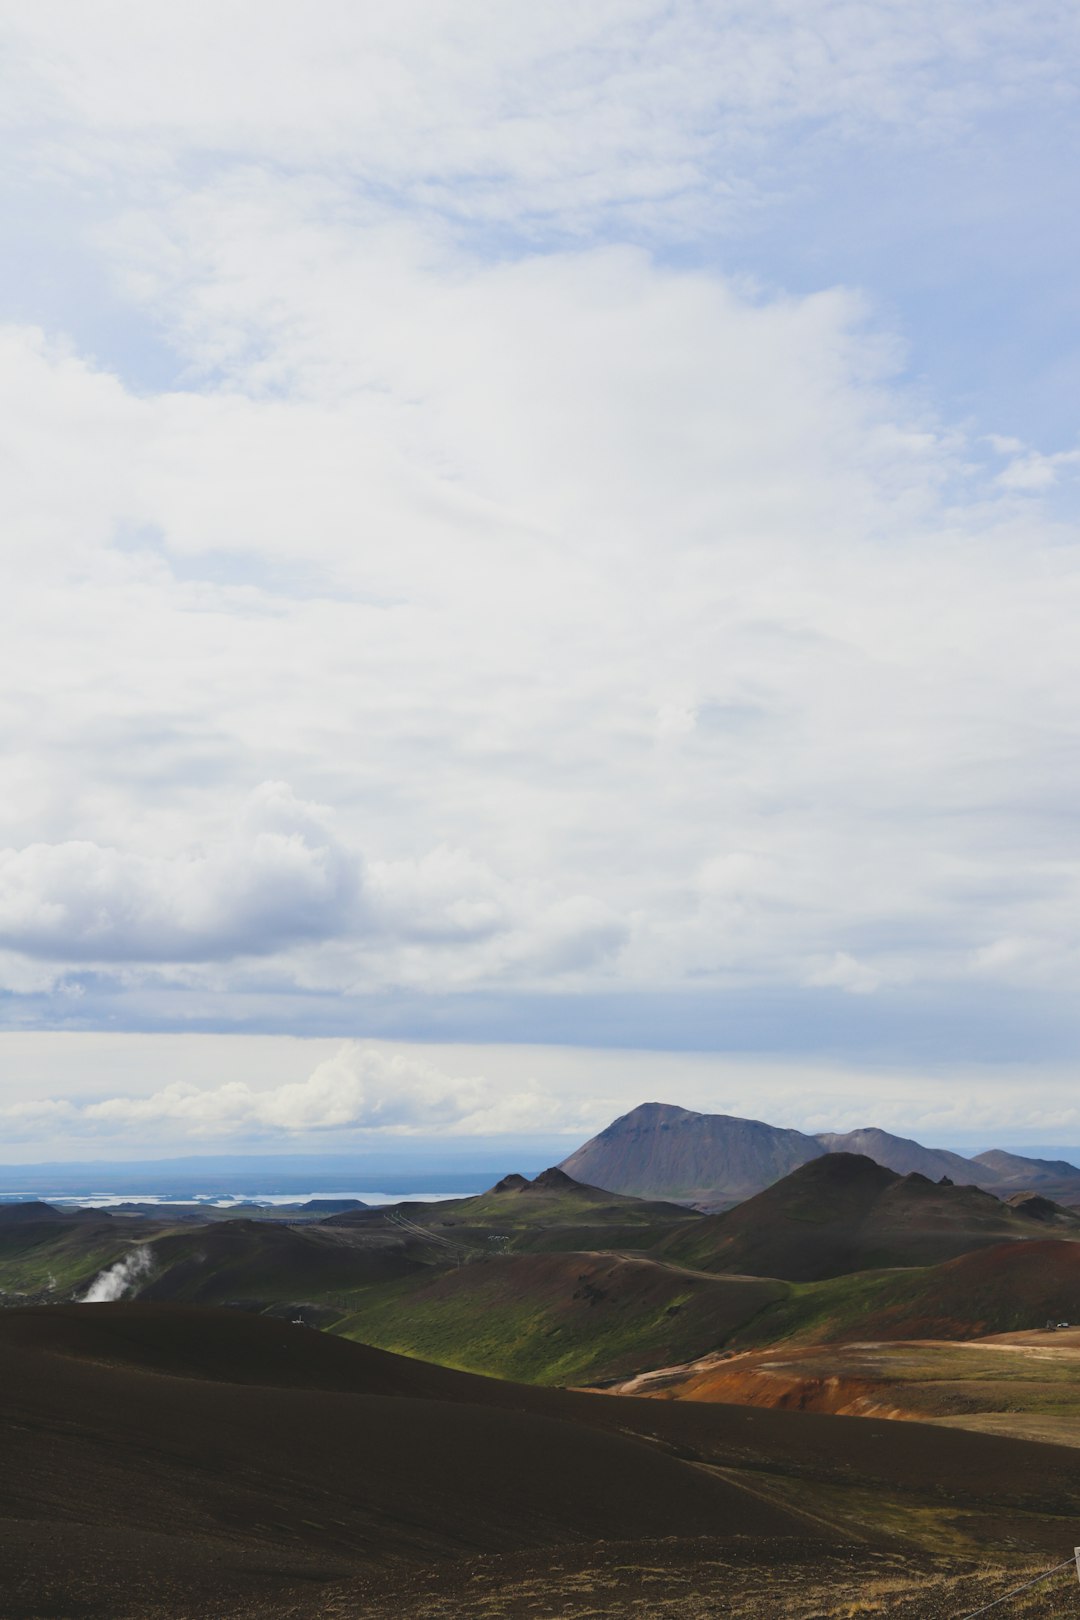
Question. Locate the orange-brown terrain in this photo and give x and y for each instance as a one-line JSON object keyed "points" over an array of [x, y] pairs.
{"points": [[1022, 1384]]}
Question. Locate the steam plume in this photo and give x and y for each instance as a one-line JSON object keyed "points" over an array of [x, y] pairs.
{"points": [[114, 1282]]}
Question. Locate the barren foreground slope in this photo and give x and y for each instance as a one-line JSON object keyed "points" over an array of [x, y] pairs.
{"points": [[164, 1461]]}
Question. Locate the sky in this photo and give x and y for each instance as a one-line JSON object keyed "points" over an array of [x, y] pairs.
{"points": [[540, 568]]}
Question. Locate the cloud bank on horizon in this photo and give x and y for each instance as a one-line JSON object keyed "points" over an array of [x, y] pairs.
{"points": [[542, 524]]}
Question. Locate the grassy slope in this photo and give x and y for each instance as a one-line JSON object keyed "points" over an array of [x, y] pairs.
{"points": [[1001, 1290], [549, 1318], [548, 1215], [590, 1318], [211, 1263], [55, 1259], [554, 1319]]}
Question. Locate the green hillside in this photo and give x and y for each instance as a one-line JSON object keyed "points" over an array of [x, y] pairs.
{"points": [[46, 1256], [550, 1214], [1006, 1289], [557, 1319], [593, 1318]]}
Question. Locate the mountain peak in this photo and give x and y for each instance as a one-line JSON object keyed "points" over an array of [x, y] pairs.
{"points": [[555, 1180], [511, 1183], [659, 1150]]}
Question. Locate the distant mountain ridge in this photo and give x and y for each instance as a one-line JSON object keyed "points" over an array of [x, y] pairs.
{"points": [[659, 1150]]}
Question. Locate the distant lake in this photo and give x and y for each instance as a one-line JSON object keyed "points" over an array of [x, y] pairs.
{"points": [[230, 1200]]}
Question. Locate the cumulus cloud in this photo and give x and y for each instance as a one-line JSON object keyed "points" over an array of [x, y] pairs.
{"points": [[281, 881], [353, 1097], [280, 877], [356, 1089]]}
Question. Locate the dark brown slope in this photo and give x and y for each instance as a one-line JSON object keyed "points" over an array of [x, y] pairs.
{"points": [[844, 1213], [229, 1347], [140, 1494], [156, 1492], [658, 1150]]}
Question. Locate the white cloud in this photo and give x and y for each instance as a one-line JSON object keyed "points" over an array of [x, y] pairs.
{"points": [[445, 895], [446, 582], [846, 973], [1032, 472], [280, 878], [632, 625], [358, 1088], [488, 111], [136, 1093]]}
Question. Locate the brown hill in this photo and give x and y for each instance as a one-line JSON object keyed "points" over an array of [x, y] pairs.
{"points": [[845, 1213], [1037, 1208], [996, 1290]]}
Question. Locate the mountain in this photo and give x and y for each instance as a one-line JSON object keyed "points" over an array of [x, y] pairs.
{"points": [[660, 1151], [844, 1212], [554, 1197], [715, 1160], [48, 1254], [901, 1154], [1055, 1178]]}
